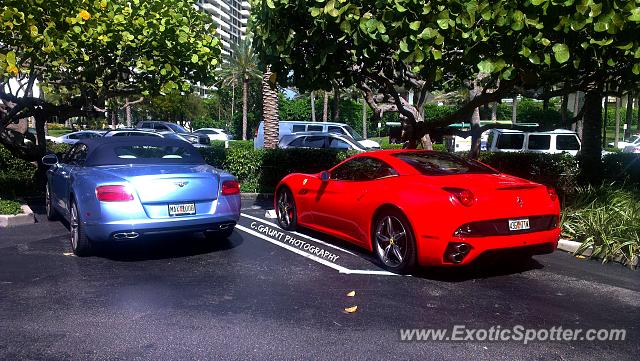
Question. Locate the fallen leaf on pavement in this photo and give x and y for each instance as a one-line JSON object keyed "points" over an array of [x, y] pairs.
{"points": [[351, 309], [580, 257], [351, 294]]}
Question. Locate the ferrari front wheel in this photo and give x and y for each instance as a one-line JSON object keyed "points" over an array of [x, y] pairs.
{"points": [[286, 212], [393, 241]]}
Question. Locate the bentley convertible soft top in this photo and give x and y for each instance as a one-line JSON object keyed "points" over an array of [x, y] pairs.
{"points": [[120, 189]]}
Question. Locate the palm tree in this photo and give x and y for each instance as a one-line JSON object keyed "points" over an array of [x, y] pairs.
{"points": [[270, 109], [241, 66]]}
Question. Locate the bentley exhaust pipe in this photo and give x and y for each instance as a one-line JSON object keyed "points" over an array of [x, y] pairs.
{"points": [[126, 235]]}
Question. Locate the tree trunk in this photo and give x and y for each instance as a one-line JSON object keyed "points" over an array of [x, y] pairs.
{"points": [[576, 110], [494, 111], [615, 141], [325, 106], [591, 164], [605, 122], [270, 111], [336, 104], [245, 107], [638, 114], [514, 110], [128, 112], [364, 118], [563, 110], [114, 117], [313, 106], [233, 100], [629, 117], [545, 104]]}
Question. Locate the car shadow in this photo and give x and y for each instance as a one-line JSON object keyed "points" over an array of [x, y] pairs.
{"points": [[165, 247]]}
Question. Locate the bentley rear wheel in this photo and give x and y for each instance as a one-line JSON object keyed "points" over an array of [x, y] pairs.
{"points": [[286, 209], [393, 241]]}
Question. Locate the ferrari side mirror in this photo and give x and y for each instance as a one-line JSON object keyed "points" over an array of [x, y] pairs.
{"points": [[324, 176]]}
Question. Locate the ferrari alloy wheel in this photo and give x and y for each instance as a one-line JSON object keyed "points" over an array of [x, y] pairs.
{"points": [[393, 242], [286, 210], [80, 244], [51, 212]]}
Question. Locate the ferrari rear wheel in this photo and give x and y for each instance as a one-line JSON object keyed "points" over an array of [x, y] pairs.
{"points": [[80, 243], [51, 212], [286, 209], [394, 242]]}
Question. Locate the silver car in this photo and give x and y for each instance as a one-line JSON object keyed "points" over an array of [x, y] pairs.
{"points": [[321, 140]]}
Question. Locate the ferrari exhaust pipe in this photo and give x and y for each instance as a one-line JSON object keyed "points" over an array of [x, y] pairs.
{"points": [[462, 248], [455, 257]]}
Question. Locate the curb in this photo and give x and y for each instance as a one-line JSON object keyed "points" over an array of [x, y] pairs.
{"points": [[26, 217], [572, 246], [256, 196]]}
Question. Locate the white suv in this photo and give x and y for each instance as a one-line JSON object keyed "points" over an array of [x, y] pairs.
{"points": [[552, 142]]}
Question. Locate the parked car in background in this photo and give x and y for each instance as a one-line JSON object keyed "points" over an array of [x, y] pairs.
{"points": [[149, 133], [292, 127], [72, 138], [632, 142], [214, 133], [320, 140], [118, 189], [552, 142], [161, 127], [377, 200]]}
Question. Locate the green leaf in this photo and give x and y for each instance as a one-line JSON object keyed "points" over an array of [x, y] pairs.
{"points": [[415, 25], [400, 8], [270, 4], [443, 23], [11, 58], [538, 2], [636, 69], [315, 12], [437, 54], [485, 66], [561, 52], [194, 58], [404, 46]]}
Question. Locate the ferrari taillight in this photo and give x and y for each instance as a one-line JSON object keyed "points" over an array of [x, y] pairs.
{"points": [[552, 194], [230, 187], [464, 196], [115, 193]]}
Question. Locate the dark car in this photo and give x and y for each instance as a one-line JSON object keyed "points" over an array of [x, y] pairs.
{"points": [[161, 126], [321, 140]]}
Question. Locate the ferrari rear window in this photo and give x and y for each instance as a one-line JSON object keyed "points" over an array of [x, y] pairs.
{"points": [[434, 163]]}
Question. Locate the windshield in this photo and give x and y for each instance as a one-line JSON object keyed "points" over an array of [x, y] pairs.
{"points": [[177, 128], [353, 133], [434, 163]]}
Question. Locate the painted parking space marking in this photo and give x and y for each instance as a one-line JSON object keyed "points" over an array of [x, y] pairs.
{"points": [[293, 242]]}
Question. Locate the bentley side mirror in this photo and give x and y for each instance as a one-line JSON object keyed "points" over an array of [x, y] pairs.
{"points": [[324, 176], [50, 159]]}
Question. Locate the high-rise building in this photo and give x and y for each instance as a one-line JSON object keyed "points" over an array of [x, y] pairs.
{"points": [[231, 17]]}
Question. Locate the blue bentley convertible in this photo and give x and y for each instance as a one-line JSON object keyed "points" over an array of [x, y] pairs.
{"points": [[124, 188]]}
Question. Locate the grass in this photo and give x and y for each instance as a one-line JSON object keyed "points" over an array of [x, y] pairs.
{"points": [[8, 207], [605, 219], [58, 132]]}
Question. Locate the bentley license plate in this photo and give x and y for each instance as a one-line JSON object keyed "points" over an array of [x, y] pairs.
{"points": [[181, 209], [518, 224]]}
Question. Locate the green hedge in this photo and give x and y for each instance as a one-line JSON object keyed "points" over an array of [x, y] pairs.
{"points": [[9, 207], [16, 176], [622, 168]]}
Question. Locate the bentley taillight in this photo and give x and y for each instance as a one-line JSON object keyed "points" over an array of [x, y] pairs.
{"points": [[230, 187], [464, 196], [114, 193]]}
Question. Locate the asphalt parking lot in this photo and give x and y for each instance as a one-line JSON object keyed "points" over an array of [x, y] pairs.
{"points": [[270, 294]]}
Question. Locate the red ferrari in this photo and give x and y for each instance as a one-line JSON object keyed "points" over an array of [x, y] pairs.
{"points": [[421, 208]]}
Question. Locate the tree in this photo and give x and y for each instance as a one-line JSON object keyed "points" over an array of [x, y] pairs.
{"points": [[241, 65], [88, 52], [530, 46], [270, 109]]}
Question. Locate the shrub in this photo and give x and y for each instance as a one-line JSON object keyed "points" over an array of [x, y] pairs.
{"points": [[606, 219], [622, 168], [9, 207], [557, 170], [16, 175]]}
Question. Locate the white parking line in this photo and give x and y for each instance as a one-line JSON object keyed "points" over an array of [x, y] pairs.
{"points": [[300, 234], [340, 269]]}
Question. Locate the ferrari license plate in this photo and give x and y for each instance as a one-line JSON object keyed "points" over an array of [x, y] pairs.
{"points": [[181, 209], [518, 224]]}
